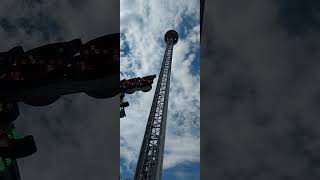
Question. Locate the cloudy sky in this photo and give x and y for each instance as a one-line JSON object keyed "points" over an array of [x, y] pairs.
{"points": [[259, 87], [78, 136], [143, 24], [260, 90]]}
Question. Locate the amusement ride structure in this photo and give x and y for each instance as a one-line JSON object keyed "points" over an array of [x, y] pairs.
{"points": [[40, 76], [149, 166]]}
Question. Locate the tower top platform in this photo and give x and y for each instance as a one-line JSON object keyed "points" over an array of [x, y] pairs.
{"points": [[171, 34]]}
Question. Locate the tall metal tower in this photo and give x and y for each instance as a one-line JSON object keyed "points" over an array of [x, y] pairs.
{"points": [[149, 166]]}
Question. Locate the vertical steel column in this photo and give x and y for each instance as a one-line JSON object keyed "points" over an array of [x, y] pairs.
{"points": [[201, 15], [149, 166]]}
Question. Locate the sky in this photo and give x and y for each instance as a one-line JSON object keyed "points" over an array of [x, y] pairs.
{"points": [[260, 90], [143, 24]]}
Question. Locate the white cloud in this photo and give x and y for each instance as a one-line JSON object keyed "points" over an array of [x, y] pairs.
{"points": [[144, 24]]}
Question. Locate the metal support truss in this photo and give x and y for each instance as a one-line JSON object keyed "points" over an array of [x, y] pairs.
{"points": [[149, 166]]}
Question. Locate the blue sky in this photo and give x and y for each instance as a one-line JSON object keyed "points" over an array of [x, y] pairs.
{"points": [[143, 25]]}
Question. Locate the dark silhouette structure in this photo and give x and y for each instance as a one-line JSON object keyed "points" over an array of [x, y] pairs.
{"points": [[60, 69], [149, 166], [202, 2], [21, 147], [40, 76], [132, 85]]}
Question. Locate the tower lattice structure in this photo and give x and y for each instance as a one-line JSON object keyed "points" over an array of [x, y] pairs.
{"points": [[149, 166]]}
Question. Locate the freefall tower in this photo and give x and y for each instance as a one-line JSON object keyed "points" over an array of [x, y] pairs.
{"points": [[149, 166]]}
